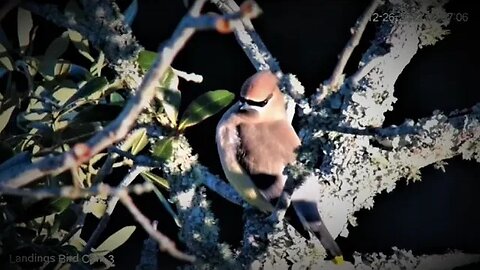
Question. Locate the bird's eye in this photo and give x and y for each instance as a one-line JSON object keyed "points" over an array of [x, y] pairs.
{"points": [[256, 103]]}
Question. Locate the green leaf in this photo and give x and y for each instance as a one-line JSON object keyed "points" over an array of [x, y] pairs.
{"points": [[96, 69], [97, 112], [64, 93], [5, 117], [92, 86], [78, 131], [44, 207], [140, 142], [56, 48], [146, 59], [167, 205], [115, 240], [117, 99], [169, 95], [5, 60], [61, 68], [60, 204], [205, 106], [151, 177], [163, 149], [171, 103], [131, 12], [80, 43], [132, 139], [24, 26]]}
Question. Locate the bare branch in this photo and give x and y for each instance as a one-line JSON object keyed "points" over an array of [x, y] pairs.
{"points": [[248, 39], [164, 242], [257, 52], [73, 192], [357, 32], [396, 44], [439, 138], [117, 129], [112, 202]]}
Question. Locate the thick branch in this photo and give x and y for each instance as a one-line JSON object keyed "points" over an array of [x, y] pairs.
{"points": [[395, 45], [439, 137], [402, 259]]}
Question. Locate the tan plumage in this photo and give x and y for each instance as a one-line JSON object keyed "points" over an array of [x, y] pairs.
{"points": [[255, 142]]}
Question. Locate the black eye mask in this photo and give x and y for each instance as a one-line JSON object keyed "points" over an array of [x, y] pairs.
{"points": [[256, 103]]}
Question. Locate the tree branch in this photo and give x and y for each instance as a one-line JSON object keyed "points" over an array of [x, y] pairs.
{"points": [[112, 202], [357, 32], [257, 51], [365, 104], [438, 138], [165, 243]]}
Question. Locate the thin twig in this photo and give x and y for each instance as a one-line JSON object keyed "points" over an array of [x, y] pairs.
{"points": [[73, 192], [257, 51], [112, 202], [164, 242], [357, 32]]}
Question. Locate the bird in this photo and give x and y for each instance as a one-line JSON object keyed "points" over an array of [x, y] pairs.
{"points": [[255, 142]]}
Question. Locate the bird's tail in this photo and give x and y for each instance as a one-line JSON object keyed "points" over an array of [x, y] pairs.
{"points": [[309, 216]]}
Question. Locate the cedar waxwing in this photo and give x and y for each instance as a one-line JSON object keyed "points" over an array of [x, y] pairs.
{"points": [[255, 142]]}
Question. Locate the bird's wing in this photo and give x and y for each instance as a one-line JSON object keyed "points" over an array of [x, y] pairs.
{"points": [[228, 145], [264, 151]]}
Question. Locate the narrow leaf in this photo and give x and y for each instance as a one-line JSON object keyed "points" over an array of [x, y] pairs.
{"points": [[169, 95], [140, 142], [151, 177], [205, 106], [163, 149], [5, 117], [171, 103], [5, 60], [81, 44], [131, 12], [115, 240], [51, 69], [132, 138], [63, 94], [60, 204], [24, 26], [167, 205], [92, 86], [146, 59], [56, 48], [96, 69], [117, 99]]}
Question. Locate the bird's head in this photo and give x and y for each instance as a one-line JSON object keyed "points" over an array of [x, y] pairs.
{"points": [[261, 97]]}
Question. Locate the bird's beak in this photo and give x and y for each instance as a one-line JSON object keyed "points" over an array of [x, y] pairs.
{"points": [[247, 107], [244, 106]]}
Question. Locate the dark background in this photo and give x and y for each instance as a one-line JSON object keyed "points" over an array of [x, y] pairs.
{"points": [[436, 215]]}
